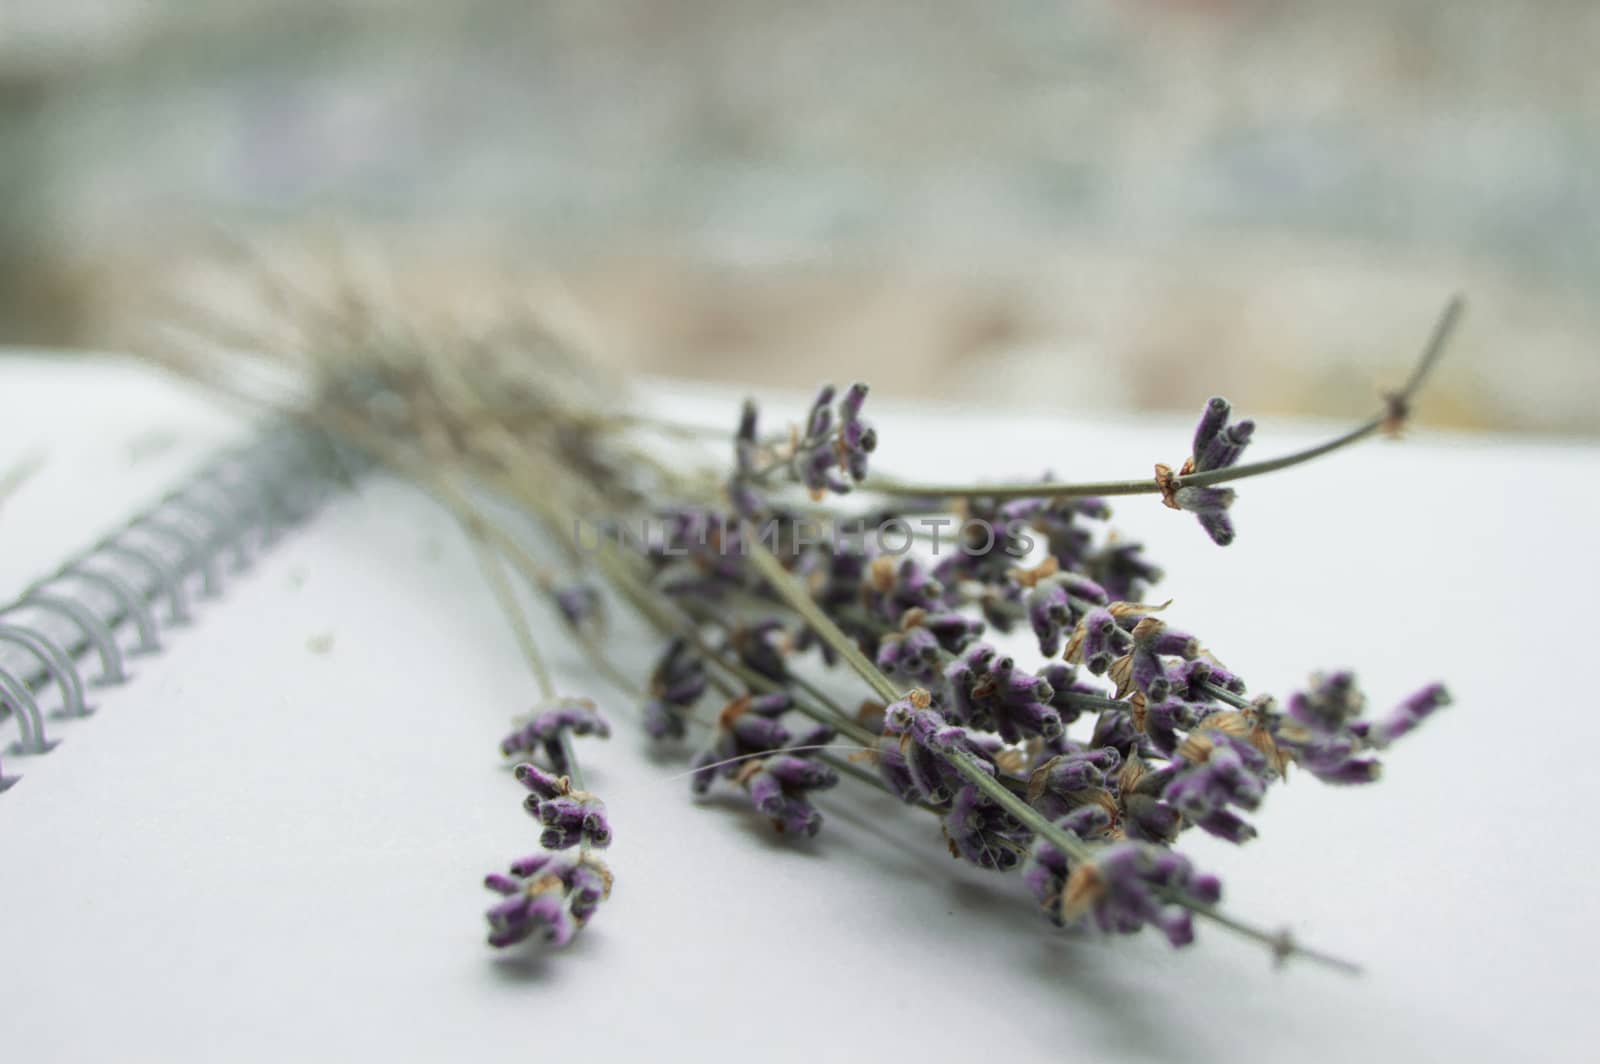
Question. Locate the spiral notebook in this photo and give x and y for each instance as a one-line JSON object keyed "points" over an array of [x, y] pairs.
{"points": [[266, 841], [68, 636]]}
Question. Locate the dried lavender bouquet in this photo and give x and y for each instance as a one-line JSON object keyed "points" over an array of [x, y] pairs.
{"points": [[1081, 771]]}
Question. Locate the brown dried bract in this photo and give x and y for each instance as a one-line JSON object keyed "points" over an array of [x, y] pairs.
{"points": [[1139, 704], [870, 712], [1120, 610], [601, 869], [1039, 778], [1196, 748], [733, 711], [1030, 576], [1074, 649], [1011, 761], [1085, 886], [1096, 796], [1147, 629], [881, 575], [544, 884], [1167, 482], [1129, 775], [1121, 673]]}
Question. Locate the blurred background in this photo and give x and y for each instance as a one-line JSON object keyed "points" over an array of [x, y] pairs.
{"points": [[1059, 205]]}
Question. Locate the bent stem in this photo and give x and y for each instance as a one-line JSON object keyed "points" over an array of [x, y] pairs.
{"points": [[1394, 412]]}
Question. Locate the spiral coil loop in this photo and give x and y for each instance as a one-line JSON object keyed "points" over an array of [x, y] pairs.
{"points": [[104, 600]]}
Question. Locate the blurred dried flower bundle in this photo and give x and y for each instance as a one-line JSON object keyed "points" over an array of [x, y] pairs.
{"points": [[792, 569]]}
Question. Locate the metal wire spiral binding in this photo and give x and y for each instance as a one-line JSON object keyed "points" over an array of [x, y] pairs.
{"points": [[108, 595]]}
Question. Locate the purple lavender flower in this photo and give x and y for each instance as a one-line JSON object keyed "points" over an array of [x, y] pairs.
{"points": [[1127, 886], [953, 631], [892, 588], [1323, 733], [827, 458], [569, 817], [1067, 781], [547, 895], [1330, 704], [759, 648], [1066, 540], [1210, 505], [752, 747], [1215, 772], [1217, 444], [678, 681], [914, 655], [1409, 714], [742, 493], [580, 606], [1066, 689], [857, 439], [1142, 668], [913, 752], [1115, 728], [981, 832], [987, 690], [1046, 870], [575, 716], [1189, 679], [1122, 570], [778, 787], [1096, 641], [1049, 606]]}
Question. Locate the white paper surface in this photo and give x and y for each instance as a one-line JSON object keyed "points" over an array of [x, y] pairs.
{"points": [[256, 851]]}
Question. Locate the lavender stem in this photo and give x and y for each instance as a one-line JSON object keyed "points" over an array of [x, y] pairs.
{"points": [[1394, 410]]}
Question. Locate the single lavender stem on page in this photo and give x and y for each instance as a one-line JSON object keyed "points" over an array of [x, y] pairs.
{"points": [[1079, 770]]}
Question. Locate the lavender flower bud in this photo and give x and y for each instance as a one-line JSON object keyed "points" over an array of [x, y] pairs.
{"points": [[580, 606], [540, 782], [1211, 423], [1149, 819], [1218, 771], [1409, 714], [1121, 569], [546, 896], [976, 828], [1225, 448], [1331, 703], [758, 651], [1099, 629], [823, 451], [1210, 505], [952, 631], [677, 682], [987, 690], [914, 655], [1050, 612], [1133, 884]]}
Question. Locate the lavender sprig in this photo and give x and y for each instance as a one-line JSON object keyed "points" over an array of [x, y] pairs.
{"points": [[1396, 409], [975, 736], [546, 894]]}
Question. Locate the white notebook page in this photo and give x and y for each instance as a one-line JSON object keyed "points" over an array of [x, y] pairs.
{"points": [[256, 850]]}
